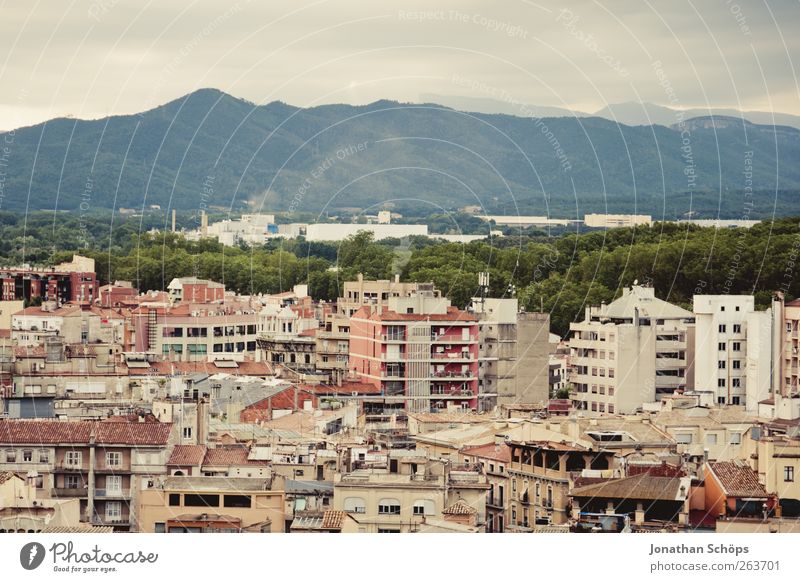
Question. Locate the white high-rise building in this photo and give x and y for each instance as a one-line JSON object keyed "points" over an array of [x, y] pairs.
{"points": [[632, 351], [721, 345]]}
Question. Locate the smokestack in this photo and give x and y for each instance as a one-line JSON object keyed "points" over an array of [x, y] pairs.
{"points": [[203, 224], [173, 219]]}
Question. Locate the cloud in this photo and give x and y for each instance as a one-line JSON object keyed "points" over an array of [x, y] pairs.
{"points": [[119, 56]]}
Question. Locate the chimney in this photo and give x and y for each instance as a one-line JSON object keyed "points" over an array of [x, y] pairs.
{"points": [[174, 213]]}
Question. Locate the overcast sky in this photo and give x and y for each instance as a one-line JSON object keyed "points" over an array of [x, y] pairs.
{"points": [[91, 59]]}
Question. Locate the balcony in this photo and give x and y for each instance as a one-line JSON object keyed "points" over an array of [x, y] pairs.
{"points": [[62, 492], [112, 493], [453, 339], [393, 337], [452, 375], [123, 521], [71, 467], [452, 356]]}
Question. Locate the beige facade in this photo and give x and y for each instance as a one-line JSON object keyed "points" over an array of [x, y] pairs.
{"points": [[24, 510], [212, 505], [382, 501], [375, 294]]}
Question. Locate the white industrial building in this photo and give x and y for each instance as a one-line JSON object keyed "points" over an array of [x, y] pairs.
{"points": [[339, 232]]}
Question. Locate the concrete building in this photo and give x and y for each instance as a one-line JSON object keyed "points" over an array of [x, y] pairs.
{"points": [[616, 220], [194, 290], [338, 232], [513, 353], [727, 325], [635, 350], [420, 351]]}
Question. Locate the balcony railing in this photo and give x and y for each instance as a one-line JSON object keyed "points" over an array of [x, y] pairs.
{"points": [[61, 492], [112, 493]]}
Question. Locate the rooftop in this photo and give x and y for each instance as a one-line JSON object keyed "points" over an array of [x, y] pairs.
{"points": [[642, 486], [737, 479], [40, 432]]}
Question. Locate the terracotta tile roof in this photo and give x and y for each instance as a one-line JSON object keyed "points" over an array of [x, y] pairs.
{"points": [[737, 480], [501, 452], [460, 507], [332, 519], [227, 456], [642, 486], [80, 432], [187, 455]]}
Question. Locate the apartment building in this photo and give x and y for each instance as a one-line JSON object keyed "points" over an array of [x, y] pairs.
{"points": [[105, 465], [419, 350], [513, 351], [409, 497], [776, 461], [182, 504], [540, 473], [194, 290], [24, 510], [193, 332], [67, 282], [635, 350], [71, 322], [721, 345], [376, 294], [494, 459], [333, 347]]}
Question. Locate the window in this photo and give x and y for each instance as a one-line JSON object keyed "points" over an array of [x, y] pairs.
{"points": [[684, 438], [355, 505], [721, 400], [736, 382], [737, 364], [72, 482], [44, 456], [27, 456], [389, 506], [174, 499], [200, 500], [788, 473], [237, 501], [736, 400], [11, 456], [113, 510], [159, 527], [721, 346], [722, 308], [711, 439], [721, 364], [187, 432], [113, 459], [737, 328], [721, 382], [736, 438], [424, 507], [737, 346], [73, 459], [722, 328]]}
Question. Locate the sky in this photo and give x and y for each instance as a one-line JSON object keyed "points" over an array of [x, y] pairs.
{"points": [[90, 59]]}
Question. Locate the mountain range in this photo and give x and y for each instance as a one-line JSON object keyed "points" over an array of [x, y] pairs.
{"points": [[210, 149], [629, 113]]}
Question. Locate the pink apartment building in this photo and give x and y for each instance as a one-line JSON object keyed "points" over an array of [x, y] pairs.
{"points": [[421, 352]]}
